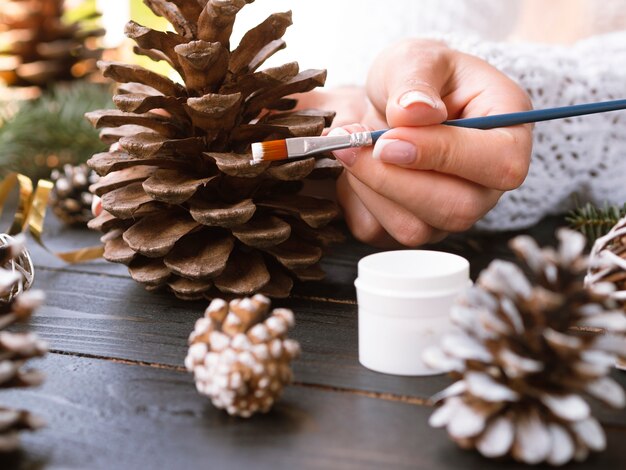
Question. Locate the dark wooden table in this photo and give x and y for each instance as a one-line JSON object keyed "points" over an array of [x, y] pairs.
{"points": [[118, 397]]}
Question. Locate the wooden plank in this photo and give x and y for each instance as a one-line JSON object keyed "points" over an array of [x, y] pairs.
{"points": [[104, 415], [116, 318], [340, 264]]}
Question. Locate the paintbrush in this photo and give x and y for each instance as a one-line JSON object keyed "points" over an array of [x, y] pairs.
{"points": [[302, 147]]}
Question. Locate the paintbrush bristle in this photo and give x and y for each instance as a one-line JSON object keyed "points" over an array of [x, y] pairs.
{"points": [[269, 151]]}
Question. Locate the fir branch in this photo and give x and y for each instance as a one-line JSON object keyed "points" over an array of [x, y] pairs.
{"points": [[50, 131], [594, 222]]}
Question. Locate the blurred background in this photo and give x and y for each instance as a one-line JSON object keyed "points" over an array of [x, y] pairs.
{"points": [[49, 48]]}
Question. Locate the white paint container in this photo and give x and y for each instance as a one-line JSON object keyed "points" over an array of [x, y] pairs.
{"points": [[404, 300]]}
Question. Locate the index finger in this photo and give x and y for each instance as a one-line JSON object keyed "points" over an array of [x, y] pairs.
{"points": [[497, 158]]}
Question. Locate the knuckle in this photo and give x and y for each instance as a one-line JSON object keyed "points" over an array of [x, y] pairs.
{"points": [[434, 152], [513, 166], [420, 54], [412, 233], [513, 173], [462, 213], [381, 181], [422, 49], [366, 229], [443, 153]]}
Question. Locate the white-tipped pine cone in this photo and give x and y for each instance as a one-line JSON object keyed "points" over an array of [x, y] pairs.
{"points": [[16, 348], [240, 356], [524, 371], [608, 260]]}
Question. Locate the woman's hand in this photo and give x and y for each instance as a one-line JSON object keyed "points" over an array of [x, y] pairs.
{"points": [[423, 180]]}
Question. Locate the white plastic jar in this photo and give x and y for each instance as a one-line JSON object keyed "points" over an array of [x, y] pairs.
{"points": [[404, 300]]}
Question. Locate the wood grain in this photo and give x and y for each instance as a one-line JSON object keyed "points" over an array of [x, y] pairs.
{"points": [[340, 264], [118, 397], [114, 317], [122, 416]]}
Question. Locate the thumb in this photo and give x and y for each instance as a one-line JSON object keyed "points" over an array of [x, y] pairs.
{"points": [[406, 81]]}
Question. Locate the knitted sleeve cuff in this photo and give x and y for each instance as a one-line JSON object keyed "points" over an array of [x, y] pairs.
{"points": [[585, 156]]}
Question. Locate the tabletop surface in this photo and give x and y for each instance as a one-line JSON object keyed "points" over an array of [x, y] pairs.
{"points": [[117, 394]]}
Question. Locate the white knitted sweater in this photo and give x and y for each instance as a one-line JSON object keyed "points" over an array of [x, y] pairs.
{"points": [[584, 156]]}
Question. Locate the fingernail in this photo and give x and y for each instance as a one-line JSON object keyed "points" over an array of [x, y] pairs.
{"points": [[346, 156], [399, 152], [413, 97], [96, 206], [338, 131]]}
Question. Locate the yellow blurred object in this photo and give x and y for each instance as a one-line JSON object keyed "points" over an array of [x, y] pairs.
{"points": [[31, 213]]}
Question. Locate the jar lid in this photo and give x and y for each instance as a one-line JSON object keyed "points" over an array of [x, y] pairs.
{"points": [[410, 271]]}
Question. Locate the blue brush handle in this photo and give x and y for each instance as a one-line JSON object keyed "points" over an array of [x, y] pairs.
{"points": [[526, 117]]}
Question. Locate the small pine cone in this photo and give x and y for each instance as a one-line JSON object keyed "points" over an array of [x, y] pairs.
{"points": [[240, 356], [522, 367], [189, 212], [70, 198], [16, 348], [41, 47], [608, 261]]}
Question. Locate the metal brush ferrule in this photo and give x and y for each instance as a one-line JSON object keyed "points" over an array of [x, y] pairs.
{"points": [[361, 139], [305, 146]]}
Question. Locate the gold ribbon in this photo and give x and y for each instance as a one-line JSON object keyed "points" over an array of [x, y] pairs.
{"points": [[31, 214]]}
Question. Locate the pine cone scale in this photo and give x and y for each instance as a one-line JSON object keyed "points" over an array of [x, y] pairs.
{"points": [[233, 164], [266, 35], [244, 274], [118, 251], [119, 179], [215, 214], [174, 187], [263, 232], [195, 258], [155, 236], [149, 271]]}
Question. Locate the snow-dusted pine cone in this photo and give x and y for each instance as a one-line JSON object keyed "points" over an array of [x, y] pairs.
{"points": [[70, 198], [524, 371], [608, 260], [16, 348], [240, 355], [188, 211]]}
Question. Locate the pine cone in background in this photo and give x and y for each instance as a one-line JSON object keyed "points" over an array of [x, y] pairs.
{"points": [[523, 369], [38, 48], [186, 207], [608, 264], [16, 348], [240, 356], [608, 260], [70, 198]]}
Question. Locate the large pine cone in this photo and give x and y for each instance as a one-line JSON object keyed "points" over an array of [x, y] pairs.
{"points": [[240, 355], [523, 367], [38, 48], [185, 207], [16, 348]]}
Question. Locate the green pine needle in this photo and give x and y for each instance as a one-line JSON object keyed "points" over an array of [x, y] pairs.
{"points": [[50, 131], [594, 222]]}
